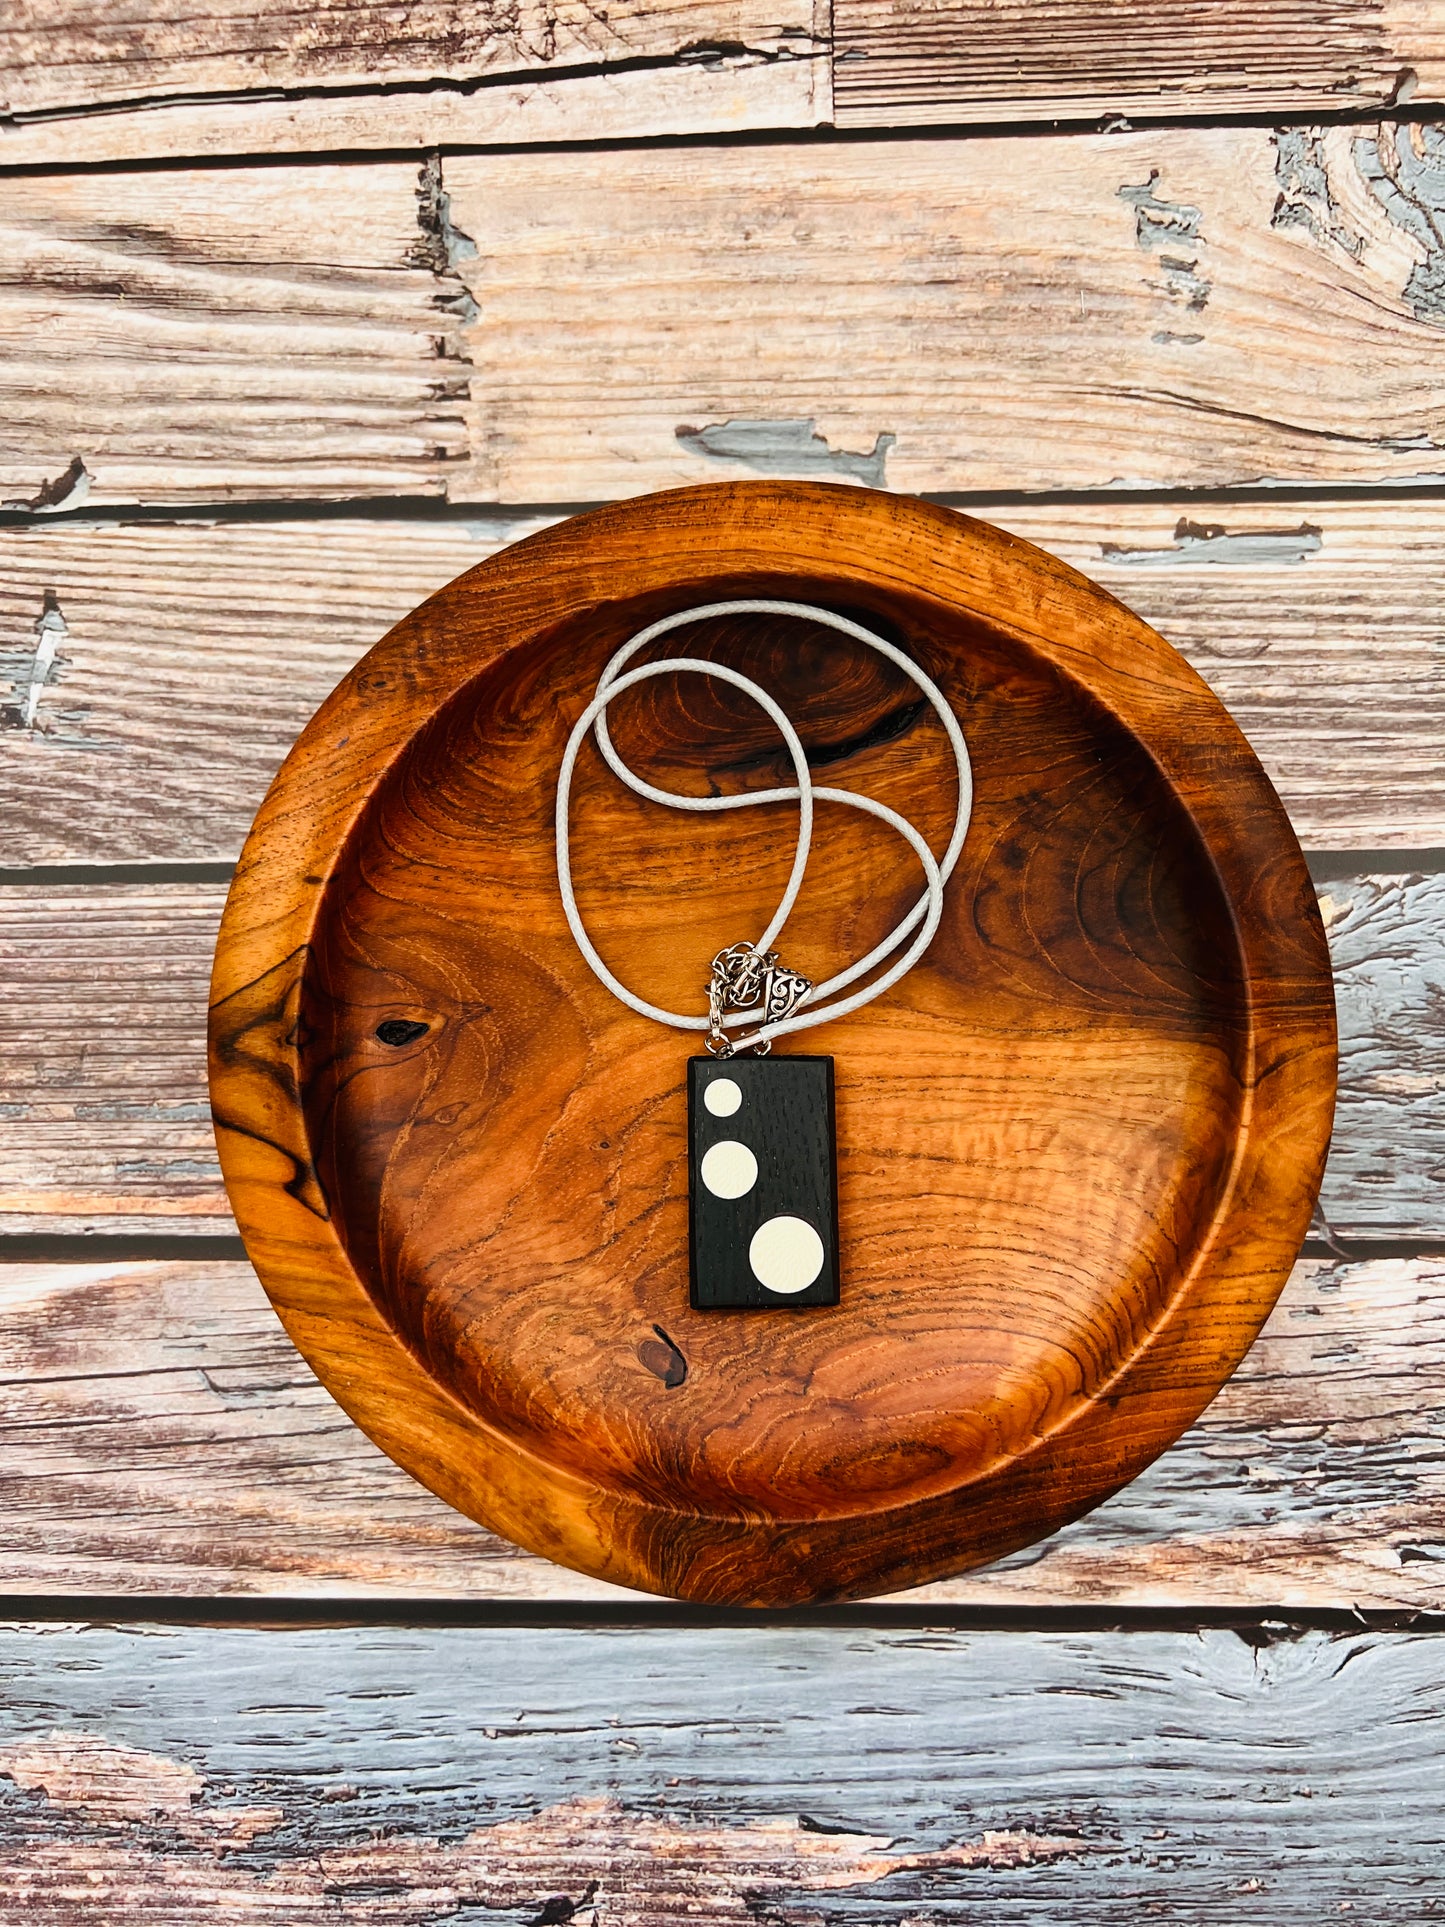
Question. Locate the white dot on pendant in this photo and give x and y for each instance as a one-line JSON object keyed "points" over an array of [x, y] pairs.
{"points": [[786, 1254], [729, 1169], [722, 1097]]}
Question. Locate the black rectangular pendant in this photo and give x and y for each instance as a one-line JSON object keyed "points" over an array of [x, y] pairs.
{"points": [[762, 1182]]}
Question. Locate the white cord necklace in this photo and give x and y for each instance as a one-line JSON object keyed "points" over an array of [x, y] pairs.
{"points": [[762, 1141], [748, 982]]}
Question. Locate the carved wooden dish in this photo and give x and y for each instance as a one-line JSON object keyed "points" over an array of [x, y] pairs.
{"points": [[1078, 1145]]}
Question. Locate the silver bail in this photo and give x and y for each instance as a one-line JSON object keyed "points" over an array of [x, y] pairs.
{"points": [[747, 979]]}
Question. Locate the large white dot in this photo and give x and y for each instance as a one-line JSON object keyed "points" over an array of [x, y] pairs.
{"points": [[729, 1169], [722, 1097], [786, 1254]]}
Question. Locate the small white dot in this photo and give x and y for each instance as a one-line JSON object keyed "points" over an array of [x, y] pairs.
{"points": [[786, 1254], [722, 1097], [729, 1169]]}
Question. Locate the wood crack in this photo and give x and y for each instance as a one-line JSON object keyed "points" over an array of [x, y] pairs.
{"points": [[716, 53]]}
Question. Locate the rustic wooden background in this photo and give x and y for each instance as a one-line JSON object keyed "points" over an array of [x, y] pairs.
{"points": [[304, 310]]}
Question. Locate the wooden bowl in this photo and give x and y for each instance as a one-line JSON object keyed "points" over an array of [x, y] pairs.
{"points": [[1078, 1145]]}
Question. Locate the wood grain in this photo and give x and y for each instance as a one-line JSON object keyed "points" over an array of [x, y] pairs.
{"points": [[167, 670], [81, 85], [388, 1777], [197, 336], [905, 63], [1133, 312], [724, 88], [169, 1439], [1089, 312], [73, 54], [163, 1437], [102, 1027], [153, 675], [224, 341], [1130, 979], [1316, 623]]}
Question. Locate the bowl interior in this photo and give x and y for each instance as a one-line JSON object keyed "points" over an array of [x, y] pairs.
{"points": [[1034, 1128]]}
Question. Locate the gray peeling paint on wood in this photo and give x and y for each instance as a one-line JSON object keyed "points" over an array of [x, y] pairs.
{"points": [[788, 448], [1214, 544], [1402, 167], [794, 1773], [38, 663]]}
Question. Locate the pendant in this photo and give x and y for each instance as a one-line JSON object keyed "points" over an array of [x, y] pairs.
{"points": [[762, 1182]]}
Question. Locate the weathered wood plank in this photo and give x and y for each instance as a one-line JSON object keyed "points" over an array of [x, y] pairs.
{"points": [[102, 1027], [153, 676], [726, 89], [158, 675], [911, 62], [1160, 309], [273, 78], [102, 1033], [74, 54], [1316, 623], [163, 1437], [1391, 991], [190, 657], [1133, 311], [265, 333], [650, 1775]]}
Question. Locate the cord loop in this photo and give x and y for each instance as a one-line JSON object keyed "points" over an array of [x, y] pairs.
{"points": [[805, 1008]]}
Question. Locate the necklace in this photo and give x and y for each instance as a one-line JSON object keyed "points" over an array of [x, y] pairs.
{"points": [[762, 1165]]}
